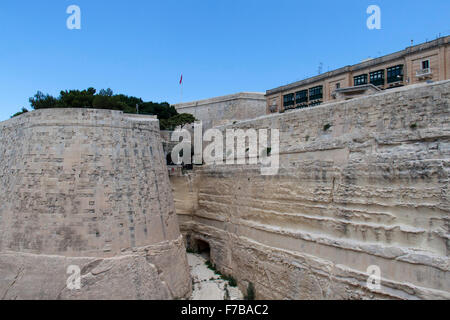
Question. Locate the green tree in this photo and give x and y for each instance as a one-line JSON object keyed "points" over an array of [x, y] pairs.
{"points": [[106, 99], [77, 98], [177, 120], [42, 101], [162, 110], [108, 92], [24, 110]]}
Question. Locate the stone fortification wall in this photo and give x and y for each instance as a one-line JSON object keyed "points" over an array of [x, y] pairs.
{"points": [[226, 109], [90, 188], [362, 183]]}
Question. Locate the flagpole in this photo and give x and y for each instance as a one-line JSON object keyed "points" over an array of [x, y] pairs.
{"points": [[181, 89]]}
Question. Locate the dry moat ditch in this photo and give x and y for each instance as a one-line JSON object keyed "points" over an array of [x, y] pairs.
{"points": [[207, 282]]}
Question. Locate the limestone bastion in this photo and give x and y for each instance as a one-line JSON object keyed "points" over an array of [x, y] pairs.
{"points": [[87, 188]]}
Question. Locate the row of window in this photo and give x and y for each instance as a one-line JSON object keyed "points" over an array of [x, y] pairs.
{"points": [[302, 97], [395, 74], [377, 78], [316, 93], [360, 80], [288, 100]]}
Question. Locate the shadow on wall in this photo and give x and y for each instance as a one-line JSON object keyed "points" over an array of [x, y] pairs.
{"points": [[199, 246], [203, 248]]}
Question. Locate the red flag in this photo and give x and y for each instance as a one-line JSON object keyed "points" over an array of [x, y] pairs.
{"points": [[181, 80]]}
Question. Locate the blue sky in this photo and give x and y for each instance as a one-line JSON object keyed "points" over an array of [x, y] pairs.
{"points": [[140, 48]]}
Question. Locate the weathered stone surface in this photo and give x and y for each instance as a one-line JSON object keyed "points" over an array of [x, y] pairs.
{"points": [[88, 184], [207, 285], [226, 109], [43, 277], [370, 190]]}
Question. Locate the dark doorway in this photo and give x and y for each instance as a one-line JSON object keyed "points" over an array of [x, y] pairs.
{"points": [[203, 249], [169, 160]]}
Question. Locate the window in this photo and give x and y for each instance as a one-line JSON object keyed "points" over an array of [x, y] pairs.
{"points": [[301, 96], [288, 100], [338, 85], [377, 78], [360, 80], [316, 93], [395, 74], [425, 64], [274, 106]]}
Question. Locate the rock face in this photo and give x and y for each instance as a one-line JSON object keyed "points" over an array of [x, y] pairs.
{"points": [[361, 183], [87, 188]]}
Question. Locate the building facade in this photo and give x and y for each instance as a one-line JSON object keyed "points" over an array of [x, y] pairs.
{"points": [[428, 61]]}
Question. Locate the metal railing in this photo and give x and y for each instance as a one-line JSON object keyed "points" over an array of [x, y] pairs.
{"points": [[424, 72]]}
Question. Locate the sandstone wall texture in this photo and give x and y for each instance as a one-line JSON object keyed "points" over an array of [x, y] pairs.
{"points": [[89, 188], [370, 190], [227, 109]]}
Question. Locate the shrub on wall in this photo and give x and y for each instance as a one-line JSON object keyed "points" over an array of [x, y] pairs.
{"points": [[106, 99]]}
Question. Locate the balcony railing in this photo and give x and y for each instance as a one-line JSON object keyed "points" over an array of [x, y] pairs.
{"points": [[302, 105], [424, 72]]}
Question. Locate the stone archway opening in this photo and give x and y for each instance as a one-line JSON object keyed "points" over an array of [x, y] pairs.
{"points": [[203, 249]]}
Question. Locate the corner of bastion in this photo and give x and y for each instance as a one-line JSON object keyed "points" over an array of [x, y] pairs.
{"points": [[85, 196]]}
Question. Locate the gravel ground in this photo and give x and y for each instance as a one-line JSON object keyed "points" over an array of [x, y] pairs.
{"points": [[206, 284]]}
